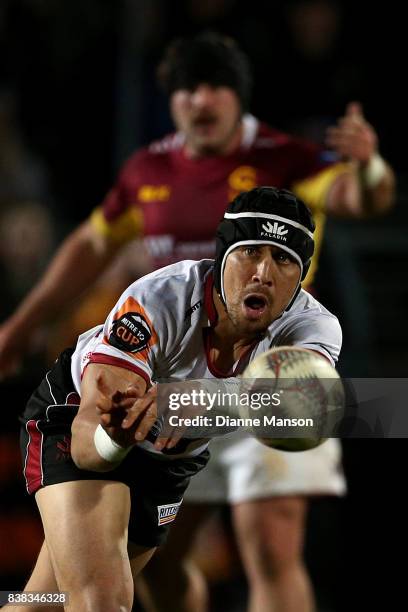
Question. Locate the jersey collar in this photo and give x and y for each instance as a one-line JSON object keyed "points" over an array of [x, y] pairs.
{"points": [[209, 301], [250, 126]]}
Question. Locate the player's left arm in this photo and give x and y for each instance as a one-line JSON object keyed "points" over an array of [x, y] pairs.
{"points": [[369, 187]]}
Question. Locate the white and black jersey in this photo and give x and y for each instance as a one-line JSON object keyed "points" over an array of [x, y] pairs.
{"points": [[159, 329]]}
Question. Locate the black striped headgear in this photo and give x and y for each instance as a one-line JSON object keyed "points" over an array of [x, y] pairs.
{"points": [[265, 215]]}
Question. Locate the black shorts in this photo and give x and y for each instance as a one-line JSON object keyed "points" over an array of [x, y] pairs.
{"points": [[156, 484]]}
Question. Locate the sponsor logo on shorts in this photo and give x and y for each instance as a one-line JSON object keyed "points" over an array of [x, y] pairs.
{"points": [[167, 513], [130, 333]]}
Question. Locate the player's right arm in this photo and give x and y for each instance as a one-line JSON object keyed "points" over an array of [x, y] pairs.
{"points": [[77, 263], [114, 401]]}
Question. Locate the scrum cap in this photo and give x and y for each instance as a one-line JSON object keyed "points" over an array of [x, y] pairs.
{"points": [[265, 215]]}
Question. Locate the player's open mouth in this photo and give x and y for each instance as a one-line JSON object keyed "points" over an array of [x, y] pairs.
{"points": [[205, 119], [205, 123], [255, 305]]}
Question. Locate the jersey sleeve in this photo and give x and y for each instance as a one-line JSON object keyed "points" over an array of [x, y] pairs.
{"points": [[130, 338], [120, 217], [314, 190], [313, 172], [317, 332]]}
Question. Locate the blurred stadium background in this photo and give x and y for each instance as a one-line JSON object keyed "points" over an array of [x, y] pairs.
{"points": [[78, 94]]}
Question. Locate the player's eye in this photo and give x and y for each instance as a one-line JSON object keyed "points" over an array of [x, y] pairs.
{"points": [[283, 257], [251, 251]]}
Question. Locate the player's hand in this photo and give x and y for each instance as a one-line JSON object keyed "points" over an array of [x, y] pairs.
{"points": [[127, 416], [185, 411], [353, 138]]}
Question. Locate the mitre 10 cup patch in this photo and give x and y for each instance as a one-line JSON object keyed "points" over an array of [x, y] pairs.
{"points": [[130, 333]]}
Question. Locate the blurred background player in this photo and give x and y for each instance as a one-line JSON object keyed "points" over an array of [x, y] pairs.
{"points": [[163, 192]]}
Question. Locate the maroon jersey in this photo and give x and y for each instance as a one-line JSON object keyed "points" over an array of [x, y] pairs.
{"points": [[176, 202]]}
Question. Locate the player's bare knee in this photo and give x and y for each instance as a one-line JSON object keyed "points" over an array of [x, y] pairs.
{"points": [[94, 599], [100, 590], [276, 544], [273, 559]]}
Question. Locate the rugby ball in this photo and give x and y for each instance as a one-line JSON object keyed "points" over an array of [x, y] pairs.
{"points": [[294, 398]]}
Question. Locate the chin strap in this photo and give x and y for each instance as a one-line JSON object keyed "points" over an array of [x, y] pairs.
{"points": [[289, 306]]}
